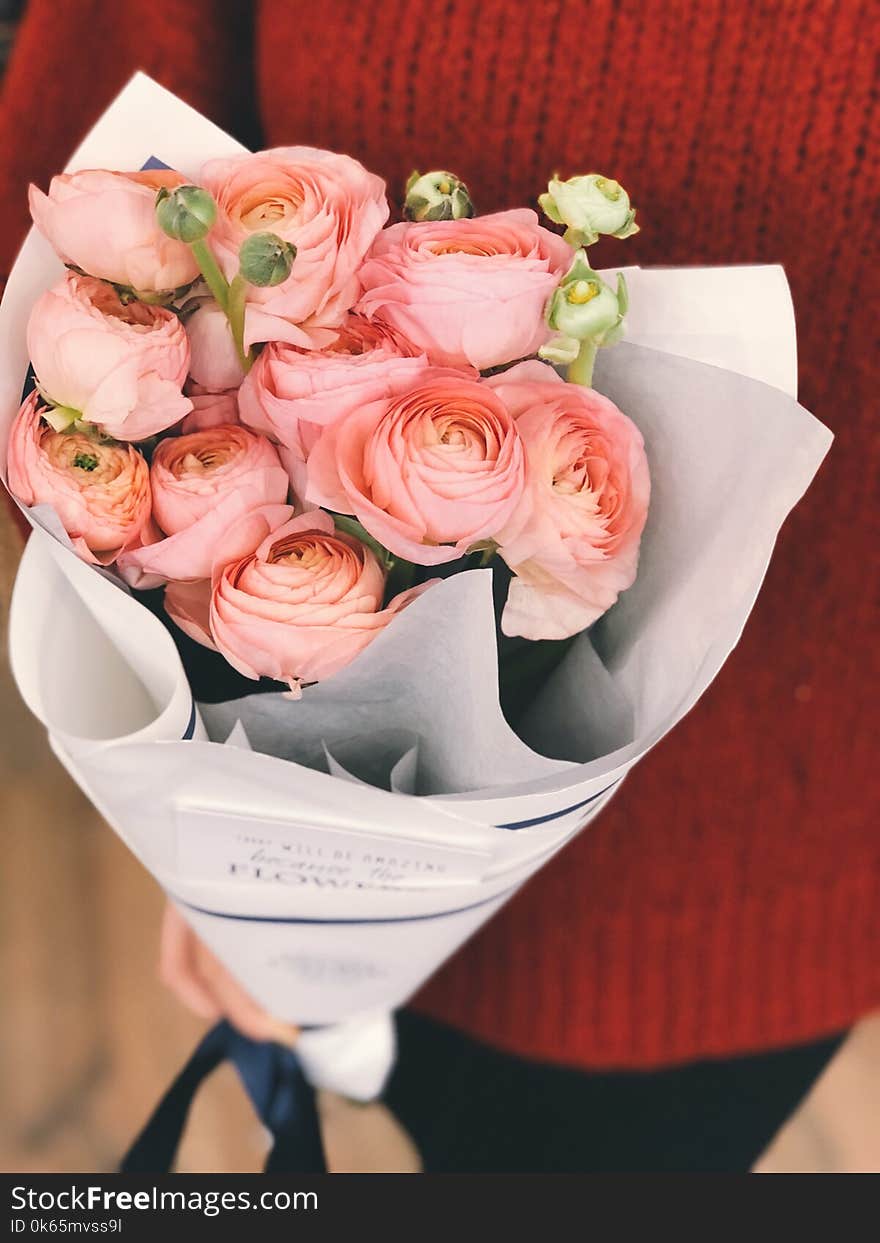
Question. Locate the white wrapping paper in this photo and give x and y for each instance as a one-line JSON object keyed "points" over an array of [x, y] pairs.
{"points": [[334, 851]]}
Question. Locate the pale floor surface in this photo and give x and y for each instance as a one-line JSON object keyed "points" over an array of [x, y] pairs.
{"points": [[89, 1038]]}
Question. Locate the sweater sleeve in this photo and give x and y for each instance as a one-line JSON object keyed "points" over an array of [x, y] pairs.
{"points": [[70, 60]]}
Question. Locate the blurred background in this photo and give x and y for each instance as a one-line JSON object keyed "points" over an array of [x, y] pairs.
{"points": [[90, 1039]]}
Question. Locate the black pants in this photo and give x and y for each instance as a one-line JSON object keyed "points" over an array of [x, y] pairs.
{"points": [[472, 1109]]}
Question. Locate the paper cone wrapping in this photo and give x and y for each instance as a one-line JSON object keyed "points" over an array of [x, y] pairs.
{"points": [[332, 896]]}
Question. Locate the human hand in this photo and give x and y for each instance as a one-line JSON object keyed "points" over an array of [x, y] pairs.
{"points": [[201, 983]]}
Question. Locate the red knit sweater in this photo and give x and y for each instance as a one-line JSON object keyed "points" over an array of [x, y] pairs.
{"points": [[696, 917]]}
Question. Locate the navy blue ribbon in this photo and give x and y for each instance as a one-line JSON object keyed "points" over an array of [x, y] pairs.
{"points": [[279, 1092]]}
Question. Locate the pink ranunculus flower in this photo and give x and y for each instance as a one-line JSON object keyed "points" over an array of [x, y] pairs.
{"points": [[188, 604], [188, 601], [100, 490], [298, 607], [326, 205], [104, 223], [573, 544], [209, 409], [428, 472], [467, 292], [214, 364], [201, 483], [290, 394], [119, 365]]}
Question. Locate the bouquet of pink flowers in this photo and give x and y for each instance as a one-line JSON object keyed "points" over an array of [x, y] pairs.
{"points": [[262, 433], [253, 391]]}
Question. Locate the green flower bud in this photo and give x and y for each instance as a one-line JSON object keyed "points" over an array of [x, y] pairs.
{"points": [[437, 196], [186, 213], [588, 206], [265, 259], [584, 308]]}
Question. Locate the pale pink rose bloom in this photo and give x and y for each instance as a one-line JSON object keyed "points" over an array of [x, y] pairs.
{"points": [[327, 205], [574, 541], [105, 224], [429, 472], [467, 292], [299, 607], [201, 483], [209, 409], [121, 366], [214, 363], [100, 490], [290, 394]]}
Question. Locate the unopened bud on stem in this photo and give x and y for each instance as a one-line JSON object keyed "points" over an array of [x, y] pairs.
{"points": [[186, 214], [265, 259], [437, 196], [589, 206], [586, 314]]}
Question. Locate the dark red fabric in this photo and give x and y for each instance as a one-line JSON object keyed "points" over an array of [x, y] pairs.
{"points": [[729, 897]]}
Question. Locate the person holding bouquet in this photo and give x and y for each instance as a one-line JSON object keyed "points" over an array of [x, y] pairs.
{"points": [[717, 934]]}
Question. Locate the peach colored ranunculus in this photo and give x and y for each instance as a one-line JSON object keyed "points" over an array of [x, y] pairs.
{"points": [[290, 394], [209, 409], [120, 365], [466, 291], [100, 490], [428, 472], [105, 224], [201, 483], [574, 542], [300, 606], [326, 205], [188, 601], [214, 363]]}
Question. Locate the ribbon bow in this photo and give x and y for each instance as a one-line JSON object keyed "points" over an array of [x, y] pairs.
{"points": [[278, 1090]]}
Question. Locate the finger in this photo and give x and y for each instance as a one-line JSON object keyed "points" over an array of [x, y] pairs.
{"points": [[178, 967], [238, 1006]]}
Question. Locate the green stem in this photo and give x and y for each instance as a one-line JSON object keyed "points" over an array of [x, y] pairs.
{"points": [[210, 269], [581, 370], [235, 309], [488, 554], [350, 526], [480, 556]]}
